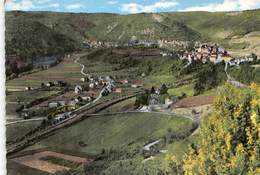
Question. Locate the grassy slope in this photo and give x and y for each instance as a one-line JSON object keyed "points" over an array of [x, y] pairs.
{"points": [[28, 37], [24, 96], [40, 33], [115, 131], [66, 71], [20, 129], [170, 25], [17, 169]]}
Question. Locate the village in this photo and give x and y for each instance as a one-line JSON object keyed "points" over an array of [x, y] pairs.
{"points": [[200, 51], [91, 88]]}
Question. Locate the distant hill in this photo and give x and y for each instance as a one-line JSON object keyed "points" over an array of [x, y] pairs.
{"points": [[38, 33]]}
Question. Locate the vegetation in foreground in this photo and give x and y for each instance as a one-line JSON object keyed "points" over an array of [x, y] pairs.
{"points": [[229, 139]]}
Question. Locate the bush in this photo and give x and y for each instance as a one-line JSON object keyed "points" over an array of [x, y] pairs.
{"points": [[229, 138]]}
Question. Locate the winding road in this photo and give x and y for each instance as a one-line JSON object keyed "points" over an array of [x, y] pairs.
{"points": [[84, 74], [231, 80], [82, 66], [80, 108]]}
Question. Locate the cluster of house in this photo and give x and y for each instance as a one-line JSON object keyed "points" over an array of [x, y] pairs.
{"points": [[70, 99], [207, 52], [99, 44], [131, 43], [238, 61], [97, 82], [81, 93], [158, 100], [172, 44], [48, 84], [137, 42], [166, 53], [133, 83]]}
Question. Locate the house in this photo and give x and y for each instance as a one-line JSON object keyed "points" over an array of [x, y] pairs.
{"points": [[87, 98], [118, 90], [62, 103], [154, 99], [72, 104], [226, 57], [213, 57], [137, 84], [78, 89], [125, 81], [83, 79], [92, 85], [28, 88], [53, 105], [49, 84], [170, 100]]}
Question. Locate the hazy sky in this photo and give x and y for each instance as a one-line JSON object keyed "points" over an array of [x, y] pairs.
{"points": [[131, 6]]}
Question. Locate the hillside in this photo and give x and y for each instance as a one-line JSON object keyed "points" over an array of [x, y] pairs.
{"points": [[39, 33]]}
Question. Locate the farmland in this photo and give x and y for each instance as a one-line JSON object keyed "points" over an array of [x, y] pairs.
{"points": [[131, 94], [122, 132], [106, 132], [109, 138], [66, 70]]}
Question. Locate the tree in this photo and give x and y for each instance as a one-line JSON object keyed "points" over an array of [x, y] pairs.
{"points": [[208, 77], [142, 99], [163, 89], [254, 56], [152, 91], [229, 142]]}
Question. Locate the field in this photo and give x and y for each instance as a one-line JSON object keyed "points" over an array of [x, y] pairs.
{"points": [[120, 137], [14, 131], [67, 70], [50, 162], [14, 168], [106, 132], [194, 101], [187, 89], [122, 106], [25, 97]]}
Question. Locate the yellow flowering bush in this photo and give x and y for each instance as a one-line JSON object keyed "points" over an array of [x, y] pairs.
{"points": [[229, 141]]}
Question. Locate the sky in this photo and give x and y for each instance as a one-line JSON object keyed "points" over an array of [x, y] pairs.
{"points": [[131, 6]]}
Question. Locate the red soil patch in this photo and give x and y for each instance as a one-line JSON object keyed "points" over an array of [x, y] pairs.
{"points": [[193, 102], [34, 161]]}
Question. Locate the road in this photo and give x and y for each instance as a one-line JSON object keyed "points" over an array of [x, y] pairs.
{"points": [[84, 74], [149, 145], [80, 108], [82, 66], [77, 117], [24, 121], [231, 80]]}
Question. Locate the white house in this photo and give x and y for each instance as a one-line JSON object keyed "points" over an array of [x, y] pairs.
{"points": [[78, 89], [83, 79], [53, 105], [92, 85]]}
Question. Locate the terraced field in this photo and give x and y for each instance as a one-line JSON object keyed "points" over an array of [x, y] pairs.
{"points": [[67, 70]]}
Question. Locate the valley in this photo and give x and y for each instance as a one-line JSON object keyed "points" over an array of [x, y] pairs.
{"points": [[128, 94]]}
